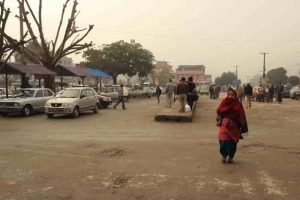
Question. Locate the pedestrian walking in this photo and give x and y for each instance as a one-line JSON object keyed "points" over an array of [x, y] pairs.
{"points": [[170, 90], [218, 90], [192, 95], [211, 92], [158, 93], [120, 97], [279, 93], [233, 117], [271, 93], [261, 94], [182, 91], [248, 94], [240, 93]]}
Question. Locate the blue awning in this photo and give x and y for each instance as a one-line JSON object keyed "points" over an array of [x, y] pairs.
{"points": [[98, 73]]}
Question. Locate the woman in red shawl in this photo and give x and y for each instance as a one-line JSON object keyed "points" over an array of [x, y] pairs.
{"points": [[233, 115]]}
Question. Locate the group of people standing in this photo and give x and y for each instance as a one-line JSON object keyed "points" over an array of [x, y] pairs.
{"points": [[186, 92], [263, 93], [268, 92], [214, 91]]}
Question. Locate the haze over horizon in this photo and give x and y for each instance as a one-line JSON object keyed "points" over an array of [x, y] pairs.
{"points": [[217, 34]]}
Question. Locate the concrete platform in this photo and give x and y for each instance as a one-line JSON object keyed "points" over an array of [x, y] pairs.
{"points": [[173, 114]]}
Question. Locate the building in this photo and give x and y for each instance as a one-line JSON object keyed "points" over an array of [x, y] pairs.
{"points": [[162, 72], [162, 65], [66, 61], [195, 71]]}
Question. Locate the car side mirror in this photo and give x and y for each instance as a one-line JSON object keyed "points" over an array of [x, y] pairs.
{"points": [[82, 96]]}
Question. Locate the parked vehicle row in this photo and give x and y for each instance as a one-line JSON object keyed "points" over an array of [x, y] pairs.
{"points": [[70, 101]]}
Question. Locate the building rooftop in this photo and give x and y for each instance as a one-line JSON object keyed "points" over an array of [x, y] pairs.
{"points": [[190, 67]]}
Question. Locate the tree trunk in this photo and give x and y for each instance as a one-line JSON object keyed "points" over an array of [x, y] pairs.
{"points": [[115, 79], [50, 82], [24, 81]]}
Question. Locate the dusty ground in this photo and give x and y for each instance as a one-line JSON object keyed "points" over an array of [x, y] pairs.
{"points": [[120, 154]]}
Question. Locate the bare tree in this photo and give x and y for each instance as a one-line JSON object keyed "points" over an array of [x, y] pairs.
{"points": [[8, 45], [51, 52]]}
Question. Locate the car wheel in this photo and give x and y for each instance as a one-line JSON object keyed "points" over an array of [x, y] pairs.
{"points": [[105, 105], [27, 110], [96, 109], [75, 112], [50, 115]]}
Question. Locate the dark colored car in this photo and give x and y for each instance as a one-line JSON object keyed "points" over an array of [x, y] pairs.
{"points": [[104, 101]]}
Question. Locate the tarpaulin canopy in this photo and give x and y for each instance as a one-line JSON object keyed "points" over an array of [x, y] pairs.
{"points": [[98, 73], [31, 69]]}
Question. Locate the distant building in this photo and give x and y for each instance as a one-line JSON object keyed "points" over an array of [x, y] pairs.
{"points": [[162, 65], [195, 71], [208, 79], [66, 61]]}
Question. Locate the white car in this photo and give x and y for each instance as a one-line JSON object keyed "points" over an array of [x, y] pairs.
{"points": [[3, 93], [295, 92], [73, 101]]}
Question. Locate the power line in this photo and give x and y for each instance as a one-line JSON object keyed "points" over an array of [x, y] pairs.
{"points": [[191, 37]]}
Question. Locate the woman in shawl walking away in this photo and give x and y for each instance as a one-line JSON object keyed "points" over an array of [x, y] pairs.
{"points": [[233, 120]]}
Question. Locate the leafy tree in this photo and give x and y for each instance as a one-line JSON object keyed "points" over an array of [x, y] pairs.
{"points": [[274, 76], [293, 80], [120, 58], [226, 78]]}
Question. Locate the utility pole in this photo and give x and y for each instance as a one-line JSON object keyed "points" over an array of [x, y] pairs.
{"points": [[23, 77], [264, 67], [21, 6], [236, 72]]}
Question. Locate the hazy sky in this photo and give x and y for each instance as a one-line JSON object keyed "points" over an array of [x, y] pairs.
{"points": [[219, 34]]}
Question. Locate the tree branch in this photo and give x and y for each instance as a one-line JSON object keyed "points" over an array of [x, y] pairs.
{"points": [[68, 31], [59, 26]]}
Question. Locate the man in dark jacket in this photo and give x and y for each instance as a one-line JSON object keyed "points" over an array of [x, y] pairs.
{"points": [[182, 91], [248, 94], [271, 93]]}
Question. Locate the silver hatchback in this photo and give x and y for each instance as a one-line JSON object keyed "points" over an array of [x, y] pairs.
{"points": [[73, 101]]}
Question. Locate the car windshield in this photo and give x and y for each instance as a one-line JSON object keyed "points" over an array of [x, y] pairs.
{"points": [[69, 93], [25, 93]]}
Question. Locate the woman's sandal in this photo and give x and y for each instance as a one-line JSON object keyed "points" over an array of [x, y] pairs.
{"points": [[223, 160]]}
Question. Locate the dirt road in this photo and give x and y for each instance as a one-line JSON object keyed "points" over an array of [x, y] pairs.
{"points": [[120, 154]]}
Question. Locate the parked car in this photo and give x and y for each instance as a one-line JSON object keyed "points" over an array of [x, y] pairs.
{"points": [[204, 90], [286, 92], [104, 101], [141, 92], [73, 101], [26, 101], [295, 92], [3, 93], [112, 92]]}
